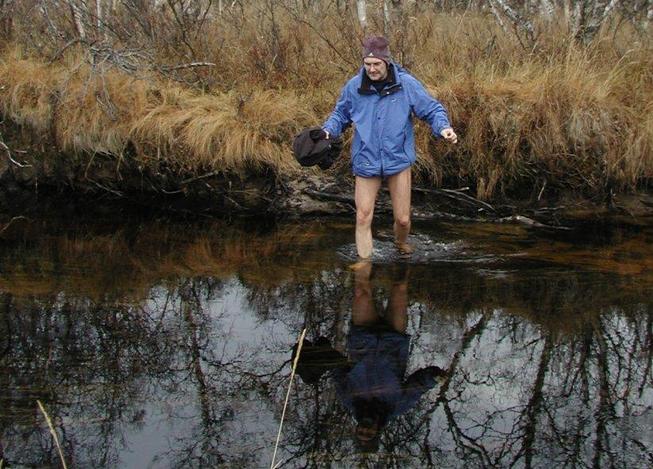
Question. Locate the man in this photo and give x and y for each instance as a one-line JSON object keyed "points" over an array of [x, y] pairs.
{"points": [[380, 101]]}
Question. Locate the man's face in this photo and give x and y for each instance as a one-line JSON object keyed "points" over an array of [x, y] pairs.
{"points": [[376, 69]]}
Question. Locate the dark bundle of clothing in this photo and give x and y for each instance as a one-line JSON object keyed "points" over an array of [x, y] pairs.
{"points": [[312, 147], [316, 358]]}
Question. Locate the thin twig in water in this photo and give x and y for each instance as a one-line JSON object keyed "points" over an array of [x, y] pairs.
{"points": [[285, 404], [54, 434], [4, 228]]}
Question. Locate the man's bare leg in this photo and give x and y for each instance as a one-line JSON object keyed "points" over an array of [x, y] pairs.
{"points": [[363, 312], [399, 185], [365, 197], [397, 312]]}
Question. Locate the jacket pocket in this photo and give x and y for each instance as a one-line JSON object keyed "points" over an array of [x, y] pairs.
{"points": [[363, 164], [408, 146], [359, 159]]}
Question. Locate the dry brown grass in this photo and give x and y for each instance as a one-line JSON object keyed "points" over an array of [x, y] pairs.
{"points": [[100, 111], [26, 90], [224, 132], [558, 116], [569, 117]]}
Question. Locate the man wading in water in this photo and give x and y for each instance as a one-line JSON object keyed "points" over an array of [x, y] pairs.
{"points": [[380, 101]]}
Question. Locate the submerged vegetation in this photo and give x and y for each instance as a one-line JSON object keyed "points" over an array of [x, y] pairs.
{"points": [[188, 89]]}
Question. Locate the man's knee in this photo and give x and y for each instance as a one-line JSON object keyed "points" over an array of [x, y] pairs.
{"points": [[364, 216], [403, 221]]}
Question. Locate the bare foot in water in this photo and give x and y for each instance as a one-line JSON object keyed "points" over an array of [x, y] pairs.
{"points": [[361, 265], [404, 249]]}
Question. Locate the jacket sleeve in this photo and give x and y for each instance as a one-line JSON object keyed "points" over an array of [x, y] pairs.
{"points": [[340, 118], [420, 382], [426, 107]]}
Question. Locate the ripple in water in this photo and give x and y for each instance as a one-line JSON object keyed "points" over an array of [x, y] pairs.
{"points": [[426, 250]]}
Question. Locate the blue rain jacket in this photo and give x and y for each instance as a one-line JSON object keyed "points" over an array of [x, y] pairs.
{"points": [[384, 141]]}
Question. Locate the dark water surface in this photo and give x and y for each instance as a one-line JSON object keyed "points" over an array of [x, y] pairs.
{"points": [[169, 344]]}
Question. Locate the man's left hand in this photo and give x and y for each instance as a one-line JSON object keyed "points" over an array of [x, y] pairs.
{"points": [[449, 135]]}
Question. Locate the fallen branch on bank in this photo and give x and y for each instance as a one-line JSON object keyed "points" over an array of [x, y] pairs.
{"points": [[456, 195], [112, 191], [438, 215], [449, 193], [329, 196], [169, 68], [434, 215], [4, 146], [198, 178]]}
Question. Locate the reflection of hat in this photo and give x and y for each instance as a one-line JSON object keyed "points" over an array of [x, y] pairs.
{"points": [[311, 147], [368, 437], [377, 47], [371, 414]]}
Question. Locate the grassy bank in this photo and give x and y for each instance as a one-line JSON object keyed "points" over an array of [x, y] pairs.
{"points": [[534, 121]]}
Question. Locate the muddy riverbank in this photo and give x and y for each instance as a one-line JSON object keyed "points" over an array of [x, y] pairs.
{"points": [[104, 181], [38, 175]]}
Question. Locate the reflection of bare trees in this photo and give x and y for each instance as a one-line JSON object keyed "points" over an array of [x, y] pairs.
{"points": [[85, 362], [517, 394], [200, 366], [561, 403]]}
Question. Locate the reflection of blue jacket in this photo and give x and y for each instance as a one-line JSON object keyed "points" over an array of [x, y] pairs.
{"points": [[384, 143], [379, 360]]}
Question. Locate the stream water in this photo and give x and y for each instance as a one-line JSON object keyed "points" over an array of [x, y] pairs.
{"points": [[163, 343]]}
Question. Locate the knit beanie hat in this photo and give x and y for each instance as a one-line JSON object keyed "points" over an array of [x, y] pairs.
{"points": [[377, 47]]}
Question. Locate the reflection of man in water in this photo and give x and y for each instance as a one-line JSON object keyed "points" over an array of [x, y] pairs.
{"points": [[370, 382]]}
